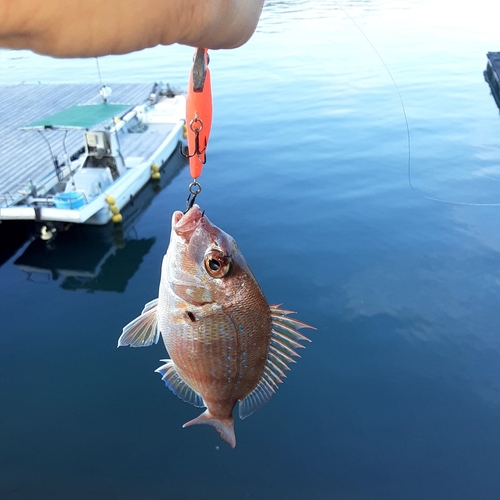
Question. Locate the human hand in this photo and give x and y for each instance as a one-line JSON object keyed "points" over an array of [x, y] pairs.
{"points": [[87, 28]]}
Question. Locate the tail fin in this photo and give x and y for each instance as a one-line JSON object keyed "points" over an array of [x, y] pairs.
{"points": [[224, 426]]}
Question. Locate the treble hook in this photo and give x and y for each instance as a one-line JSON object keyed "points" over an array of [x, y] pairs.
{"points": [[194, 191], [196, 125]]}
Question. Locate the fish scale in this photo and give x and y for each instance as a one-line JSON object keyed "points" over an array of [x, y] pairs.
{"points": [[214, 370], [226, 344]]}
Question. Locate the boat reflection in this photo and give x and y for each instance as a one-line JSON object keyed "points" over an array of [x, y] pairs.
{"points": [[97, 258], [107, 264]]}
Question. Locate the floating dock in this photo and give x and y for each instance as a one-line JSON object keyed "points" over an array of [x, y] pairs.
{"points": [[492, 74], [25, 157]]}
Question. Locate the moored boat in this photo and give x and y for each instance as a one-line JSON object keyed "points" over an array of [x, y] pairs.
{"points": [[122, 147]]}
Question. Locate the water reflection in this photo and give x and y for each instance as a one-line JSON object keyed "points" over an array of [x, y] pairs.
{"points": [[97, 258], [86, 259], [13, 235], [278, 13]]}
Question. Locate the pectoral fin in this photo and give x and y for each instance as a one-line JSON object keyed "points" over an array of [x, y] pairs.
{"points": [[143, 330]]}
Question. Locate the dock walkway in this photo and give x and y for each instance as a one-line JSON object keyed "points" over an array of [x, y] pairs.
{"points": [[24, 155]]}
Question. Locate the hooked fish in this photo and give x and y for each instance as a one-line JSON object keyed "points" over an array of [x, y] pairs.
{"points": [[226, 344]]}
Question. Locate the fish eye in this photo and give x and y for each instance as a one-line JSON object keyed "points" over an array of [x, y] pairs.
{"points": [[217, 264], [214, 265]]}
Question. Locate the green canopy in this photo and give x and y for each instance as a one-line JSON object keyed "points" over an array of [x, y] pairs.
{"points": [[84, 116]]}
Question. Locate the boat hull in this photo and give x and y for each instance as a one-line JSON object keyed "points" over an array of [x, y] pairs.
{"points": [[123, 190]]}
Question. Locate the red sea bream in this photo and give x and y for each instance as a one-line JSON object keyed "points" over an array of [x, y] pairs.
{"points": [[226, 344]]}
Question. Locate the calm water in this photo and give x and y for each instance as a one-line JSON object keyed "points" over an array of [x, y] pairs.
{"points": [[398, 396]]}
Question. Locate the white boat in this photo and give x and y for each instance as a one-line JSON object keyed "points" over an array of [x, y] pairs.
{"points": [[122, 147], [96, 258]]}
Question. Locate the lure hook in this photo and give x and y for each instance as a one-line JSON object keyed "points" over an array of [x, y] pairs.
{"points": [[198, 113], [196, 125], [194, 191]]}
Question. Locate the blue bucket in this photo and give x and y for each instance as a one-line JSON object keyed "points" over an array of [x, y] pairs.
{"points": [[71, 199]]}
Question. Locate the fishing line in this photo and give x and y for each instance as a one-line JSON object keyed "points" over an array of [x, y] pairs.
{"points": [[408, 137], [99, 71], [104, 90]]}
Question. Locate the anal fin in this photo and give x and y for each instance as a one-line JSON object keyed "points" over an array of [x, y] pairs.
{"points": [[143, 330], [175, 383], [258, 397]]}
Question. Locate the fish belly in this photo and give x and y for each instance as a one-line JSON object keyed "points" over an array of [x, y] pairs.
{"points": [[221, 357]]}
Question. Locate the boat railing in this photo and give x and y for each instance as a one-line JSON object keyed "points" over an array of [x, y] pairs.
{"points": [[9, 199], [48, 202]]}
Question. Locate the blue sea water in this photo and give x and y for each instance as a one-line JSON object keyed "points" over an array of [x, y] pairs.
{"points": [[398, 396]]}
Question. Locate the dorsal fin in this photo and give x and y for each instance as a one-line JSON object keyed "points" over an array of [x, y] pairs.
{"points": [[143, 330], [283, 344], [175, 383]]}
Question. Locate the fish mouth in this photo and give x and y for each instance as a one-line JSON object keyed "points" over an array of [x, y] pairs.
{"points": [[186, 224]]}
